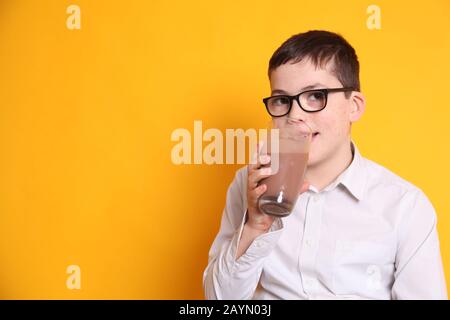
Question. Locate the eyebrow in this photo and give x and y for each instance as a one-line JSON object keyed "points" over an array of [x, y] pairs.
{"points": [[313, 86]]}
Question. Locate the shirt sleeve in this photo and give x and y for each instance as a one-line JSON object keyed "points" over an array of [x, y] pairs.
{"points": [[228, 278], [419, 272]]}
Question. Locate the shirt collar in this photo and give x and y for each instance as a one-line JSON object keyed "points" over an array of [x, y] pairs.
{"points": [[353, 178]]}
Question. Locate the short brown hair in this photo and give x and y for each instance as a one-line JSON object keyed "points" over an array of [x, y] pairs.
{"points": [[321, 47]]}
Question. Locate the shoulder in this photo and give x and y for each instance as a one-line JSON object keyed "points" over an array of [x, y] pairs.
{"points": [[380, 175], [380, 178], [395, 191]]}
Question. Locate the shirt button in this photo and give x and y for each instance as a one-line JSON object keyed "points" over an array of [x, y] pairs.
{"points": [[308, 242]]}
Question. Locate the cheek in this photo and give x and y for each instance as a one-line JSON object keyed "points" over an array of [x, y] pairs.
{"points": [[336, 125], [330, 128]]}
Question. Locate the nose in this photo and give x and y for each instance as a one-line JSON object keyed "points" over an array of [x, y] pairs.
{"points": [[297, 113]]}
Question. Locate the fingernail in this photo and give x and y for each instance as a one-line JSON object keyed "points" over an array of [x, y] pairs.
{"points": [[267, 171]]}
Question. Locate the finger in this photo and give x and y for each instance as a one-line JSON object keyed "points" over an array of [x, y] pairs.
{"points": [[257, 175], [304, 187], [256, 163], [258, 191], [260, 146], [264, 159]]}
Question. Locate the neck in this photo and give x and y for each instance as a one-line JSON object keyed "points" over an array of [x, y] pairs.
{"points": [[324, 173]]}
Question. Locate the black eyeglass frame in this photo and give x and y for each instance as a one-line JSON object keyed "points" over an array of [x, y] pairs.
{"points": [[296, 98]]}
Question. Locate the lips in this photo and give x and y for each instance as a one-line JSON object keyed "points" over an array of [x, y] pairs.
{"points": [[315, 134]]}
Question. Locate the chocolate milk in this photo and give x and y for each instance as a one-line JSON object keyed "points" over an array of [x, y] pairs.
{"points": [[283, 187]]}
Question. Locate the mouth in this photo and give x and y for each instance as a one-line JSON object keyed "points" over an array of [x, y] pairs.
{"points": [[315, 134]]}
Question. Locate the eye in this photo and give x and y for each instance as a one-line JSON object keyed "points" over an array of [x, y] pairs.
{"points": [[315, 96], [279, 101]]}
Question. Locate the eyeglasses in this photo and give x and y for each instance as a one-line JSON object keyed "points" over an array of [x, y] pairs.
{"points": [[310, 101]]}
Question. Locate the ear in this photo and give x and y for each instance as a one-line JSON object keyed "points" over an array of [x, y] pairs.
{"points": [[358, 105]]}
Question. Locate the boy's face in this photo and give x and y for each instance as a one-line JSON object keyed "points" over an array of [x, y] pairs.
{"points": [[332, 123]]}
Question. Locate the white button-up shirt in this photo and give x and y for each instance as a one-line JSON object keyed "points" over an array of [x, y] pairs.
{"points": [[368, 235]]}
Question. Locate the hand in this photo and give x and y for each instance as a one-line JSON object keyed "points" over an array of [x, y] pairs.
{"points": [[258, 220]]}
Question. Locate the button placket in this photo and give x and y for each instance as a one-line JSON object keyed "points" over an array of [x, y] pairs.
{"points": [[311, 235]]}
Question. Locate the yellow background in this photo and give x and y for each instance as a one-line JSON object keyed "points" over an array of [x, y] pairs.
{"points": [[86, 117]]}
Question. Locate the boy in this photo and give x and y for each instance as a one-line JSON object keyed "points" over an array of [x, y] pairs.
{"points": [[357, 231]]}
